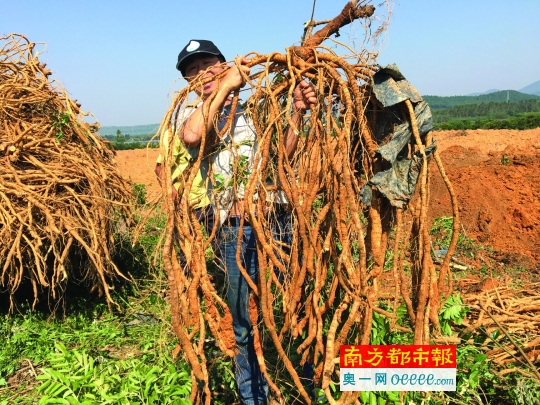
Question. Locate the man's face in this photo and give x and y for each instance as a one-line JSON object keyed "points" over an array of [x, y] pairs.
{"points": [[199, 63]]}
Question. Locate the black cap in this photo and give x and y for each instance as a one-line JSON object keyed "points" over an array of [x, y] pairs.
{"points": [[197, 46]]}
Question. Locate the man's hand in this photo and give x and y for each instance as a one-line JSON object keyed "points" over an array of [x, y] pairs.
{"points": [[304, 96], [303, 99], [197, 125], [234, 79]]}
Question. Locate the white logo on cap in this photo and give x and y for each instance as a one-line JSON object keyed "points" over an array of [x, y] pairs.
{"points": [[193, 45]]}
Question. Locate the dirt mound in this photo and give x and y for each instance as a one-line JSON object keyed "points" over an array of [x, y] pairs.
{"points": [[496, 176]]}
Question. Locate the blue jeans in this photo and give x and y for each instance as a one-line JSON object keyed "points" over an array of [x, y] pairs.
{"points": [[252, 386]]}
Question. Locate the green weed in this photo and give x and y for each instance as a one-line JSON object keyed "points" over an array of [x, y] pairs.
{"points": [[453, 311], [90, 355], [441, 229], [139, 194], [60, 120], [78, 378]]}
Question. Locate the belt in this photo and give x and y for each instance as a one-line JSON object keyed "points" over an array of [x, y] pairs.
{"points": [[235, 221], [282, 209], [279, 210]]}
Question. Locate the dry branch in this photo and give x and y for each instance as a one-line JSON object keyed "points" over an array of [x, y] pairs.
{"points": [[516, 315]]}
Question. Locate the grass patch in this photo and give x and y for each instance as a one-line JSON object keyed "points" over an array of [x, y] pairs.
{"points": [[89, 355]]}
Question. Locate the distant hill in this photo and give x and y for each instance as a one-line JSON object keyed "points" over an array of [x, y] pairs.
{"points": [[134, 130], [485, 92], [439, 103], [533, 88]]}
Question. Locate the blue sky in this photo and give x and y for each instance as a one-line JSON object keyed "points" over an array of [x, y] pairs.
{"points": [[118, 58]]}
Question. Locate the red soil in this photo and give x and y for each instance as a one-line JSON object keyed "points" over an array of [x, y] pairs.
{"points": [[138, 166], [496, 175]]}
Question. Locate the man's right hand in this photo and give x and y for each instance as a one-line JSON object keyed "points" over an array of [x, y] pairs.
{"points": [[197, 126], [234, 79]]}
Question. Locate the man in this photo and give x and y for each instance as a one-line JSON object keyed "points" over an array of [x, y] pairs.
{"points": [[240, 144]]}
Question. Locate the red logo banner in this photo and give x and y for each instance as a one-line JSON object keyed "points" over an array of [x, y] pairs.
{"points": [[397, 356]]}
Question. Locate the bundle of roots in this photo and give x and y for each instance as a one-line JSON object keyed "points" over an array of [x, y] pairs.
{"points": [[322, 290], [509, 320], [59, 185]]}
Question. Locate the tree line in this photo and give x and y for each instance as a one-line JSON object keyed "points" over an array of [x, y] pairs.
{"points": [[122, 141], [439, 103], [523, 121], [491, 110], [522, 114]]}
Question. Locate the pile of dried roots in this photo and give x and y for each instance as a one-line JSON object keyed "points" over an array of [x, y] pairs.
{"points": [[509, 319], [59, 185], [349, 238]]}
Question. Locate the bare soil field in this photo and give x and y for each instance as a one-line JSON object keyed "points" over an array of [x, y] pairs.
{"points": [[138, 166], [495, 173]]}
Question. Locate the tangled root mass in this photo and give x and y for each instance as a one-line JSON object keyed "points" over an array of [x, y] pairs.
{"points": [[322, 290], [59, 184]]}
